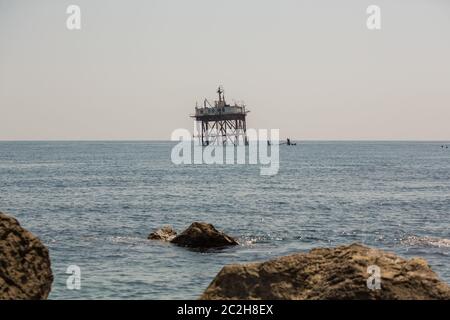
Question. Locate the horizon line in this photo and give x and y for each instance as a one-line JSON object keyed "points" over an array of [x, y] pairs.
{"points": [[165, 140]]}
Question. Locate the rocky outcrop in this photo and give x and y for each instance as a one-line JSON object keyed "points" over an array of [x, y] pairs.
{"points": [[166, 233], [199, 235], [337, 273], [203, 236], [25, 271]]}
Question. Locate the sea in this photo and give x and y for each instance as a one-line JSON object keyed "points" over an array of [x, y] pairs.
{"points": [[94, 203]]}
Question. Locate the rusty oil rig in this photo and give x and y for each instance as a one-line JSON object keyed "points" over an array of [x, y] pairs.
{"points": [[221, 123]]}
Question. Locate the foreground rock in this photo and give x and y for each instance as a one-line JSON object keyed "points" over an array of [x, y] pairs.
{"points": [[25, 271], [339, 273], [166, 233], [203, 236]]}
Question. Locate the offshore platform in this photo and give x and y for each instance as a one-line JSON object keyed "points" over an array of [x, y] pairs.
{"points": [[221, 123]]}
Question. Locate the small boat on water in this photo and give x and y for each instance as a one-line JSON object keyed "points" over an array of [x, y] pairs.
{"points": [[288, 142]]}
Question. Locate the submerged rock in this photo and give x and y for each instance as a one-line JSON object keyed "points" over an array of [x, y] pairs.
{"points": [[203, 236], [166, 233], [336, 273], [25, 271]]}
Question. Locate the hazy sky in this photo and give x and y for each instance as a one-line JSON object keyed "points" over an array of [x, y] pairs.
{"points": [[310, 68]]}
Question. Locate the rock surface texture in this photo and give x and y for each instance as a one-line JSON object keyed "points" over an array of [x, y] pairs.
{"points": [[335, 273], [25, 270], [166, 233], [203, 236]]}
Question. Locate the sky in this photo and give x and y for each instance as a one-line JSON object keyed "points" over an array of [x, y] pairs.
{"points": [[309, 68]]}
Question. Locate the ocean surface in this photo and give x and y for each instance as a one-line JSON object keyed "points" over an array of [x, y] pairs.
{"points": [[94, 203]]}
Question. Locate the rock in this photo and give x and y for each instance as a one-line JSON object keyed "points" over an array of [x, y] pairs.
{"points": [[337, 273], [166, 233], [203, 236], [25, 271]]}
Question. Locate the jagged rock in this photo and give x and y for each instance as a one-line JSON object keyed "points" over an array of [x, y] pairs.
{"points": [[166, 233], [336, 273], [203, 236], [25, 271]]}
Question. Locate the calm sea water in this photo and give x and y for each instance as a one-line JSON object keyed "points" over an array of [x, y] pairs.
{"points": [[94, 203]]}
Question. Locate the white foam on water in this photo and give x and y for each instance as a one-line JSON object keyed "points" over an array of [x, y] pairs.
{"points": [[426, 242]]}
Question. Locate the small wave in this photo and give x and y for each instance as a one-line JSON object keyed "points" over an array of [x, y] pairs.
{"points": [[426, 242], [126, 240], [249, 240]]}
